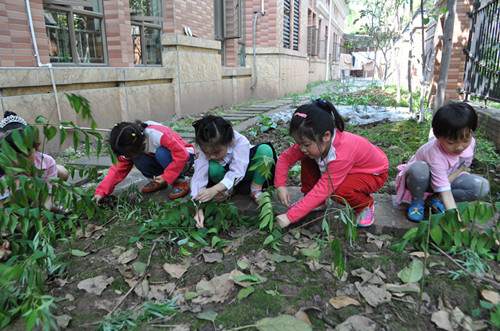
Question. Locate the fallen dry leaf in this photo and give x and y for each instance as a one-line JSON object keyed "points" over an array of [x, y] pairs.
{"points": [[442, 320], [374, 295], [419, 254], [160, 292], [106, 305], [89, 230], [357, 322], [313, 265], [369, 277], [128, 256], [175, 270], [235, 244], [118, 250], [371, 238], [213, 257], [340, 302], [491, 296], [302, 315], [126, 271], [235, 273], [63, 321], [95, 285], [142, 289], [218, 289]]}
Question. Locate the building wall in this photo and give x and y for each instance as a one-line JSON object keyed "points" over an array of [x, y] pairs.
{"points": [[191, 79]]}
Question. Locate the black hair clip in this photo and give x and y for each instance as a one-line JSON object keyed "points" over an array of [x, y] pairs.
{"points": [[319, 102]]}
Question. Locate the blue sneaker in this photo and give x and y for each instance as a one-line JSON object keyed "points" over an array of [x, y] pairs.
{"points": [[437, 207], [416, 212]]}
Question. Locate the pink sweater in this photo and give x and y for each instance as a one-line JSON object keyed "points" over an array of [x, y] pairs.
{"points": [[349, 154], [441, 164]]}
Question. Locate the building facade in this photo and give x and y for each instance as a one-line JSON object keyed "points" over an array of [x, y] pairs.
{"points": [[153, 59]]}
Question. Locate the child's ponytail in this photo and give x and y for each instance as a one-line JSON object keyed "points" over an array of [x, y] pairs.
{"points": [[127, 138], [313, 120]]}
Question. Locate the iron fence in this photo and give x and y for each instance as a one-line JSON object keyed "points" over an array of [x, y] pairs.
{"points": [[482, 67]]}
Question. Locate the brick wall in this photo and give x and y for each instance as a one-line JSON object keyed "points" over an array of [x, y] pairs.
{"points": [[457, 60], [268, 27], [118, 35], [16, 46], [197, 15]]}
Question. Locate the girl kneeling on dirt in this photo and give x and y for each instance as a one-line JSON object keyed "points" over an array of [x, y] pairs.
{"points": [[158, 152], [44, 162], [336, 164], [437, 170], [223, 163]]}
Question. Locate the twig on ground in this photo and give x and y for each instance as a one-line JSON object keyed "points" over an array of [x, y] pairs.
{"points": [[139, 281], [478, 277]]}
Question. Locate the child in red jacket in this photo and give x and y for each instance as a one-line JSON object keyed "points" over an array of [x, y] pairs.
{"points": [[158, 152], [336, 164]]}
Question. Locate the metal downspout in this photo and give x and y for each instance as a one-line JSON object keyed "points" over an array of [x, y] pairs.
{"points": [[39, 62], [327, 71], [256, 15]]}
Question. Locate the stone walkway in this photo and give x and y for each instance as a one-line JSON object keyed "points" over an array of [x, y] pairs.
{"points": [[388, 219]]}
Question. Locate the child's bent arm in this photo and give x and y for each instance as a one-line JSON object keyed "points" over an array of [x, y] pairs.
{"points": [[283, 220], [448, 200], [208, 193], [284, 196], [456, 173]]}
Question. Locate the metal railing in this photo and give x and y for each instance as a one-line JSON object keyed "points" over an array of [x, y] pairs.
{"points": [[482, 67]]}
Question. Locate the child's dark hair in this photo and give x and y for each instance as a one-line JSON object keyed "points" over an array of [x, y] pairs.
{"points": [[127, 138], [9, 138], [454, 120], [313, 120], [213, 130]]}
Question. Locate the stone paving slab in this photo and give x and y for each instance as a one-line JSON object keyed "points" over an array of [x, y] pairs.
{"points": [[246, 112], [92, 160], [237, 117]]}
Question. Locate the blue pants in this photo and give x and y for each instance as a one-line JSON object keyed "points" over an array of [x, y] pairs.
{"points": [[154, 165]]}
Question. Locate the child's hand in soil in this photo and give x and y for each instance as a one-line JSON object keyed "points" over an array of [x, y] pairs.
{"points": [[283, 220], [284, 196]]}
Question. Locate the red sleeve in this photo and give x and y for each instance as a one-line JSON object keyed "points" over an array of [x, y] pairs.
{"points": [[285, 161], [179, 157], [115, 175], [336, 173]]}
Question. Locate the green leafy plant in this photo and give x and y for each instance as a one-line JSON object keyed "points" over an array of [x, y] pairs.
{"points": [[31, 225], [265, 123], [453, 233]]}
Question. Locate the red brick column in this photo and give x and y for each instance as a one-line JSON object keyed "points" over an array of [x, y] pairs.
{"points": [[118, 33], [457, 61], [16, 45]]}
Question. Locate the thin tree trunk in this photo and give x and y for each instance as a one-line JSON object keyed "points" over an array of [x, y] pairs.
{"points": [[422, 84], [447, 39], [410, 54]]}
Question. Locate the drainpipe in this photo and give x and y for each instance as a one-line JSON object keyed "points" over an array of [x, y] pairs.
{"points": [[48, 65], [327, 71], [39, 62], [256, 14]]}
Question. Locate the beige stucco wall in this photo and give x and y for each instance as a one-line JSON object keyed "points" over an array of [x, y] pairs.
{"points": [[279, 72], [317, 70], [115, 94]]}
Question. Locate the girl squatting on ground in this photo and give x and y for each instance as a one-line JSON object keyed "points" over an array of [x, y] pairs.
{"points": [[159, 153], [336, 164], [44, 162], [436, 173], [223, 163]]}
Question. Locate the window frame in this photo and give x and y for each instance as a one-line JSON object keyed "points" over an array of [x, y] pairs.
{"points": [[66, 6], [152, 22]]}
